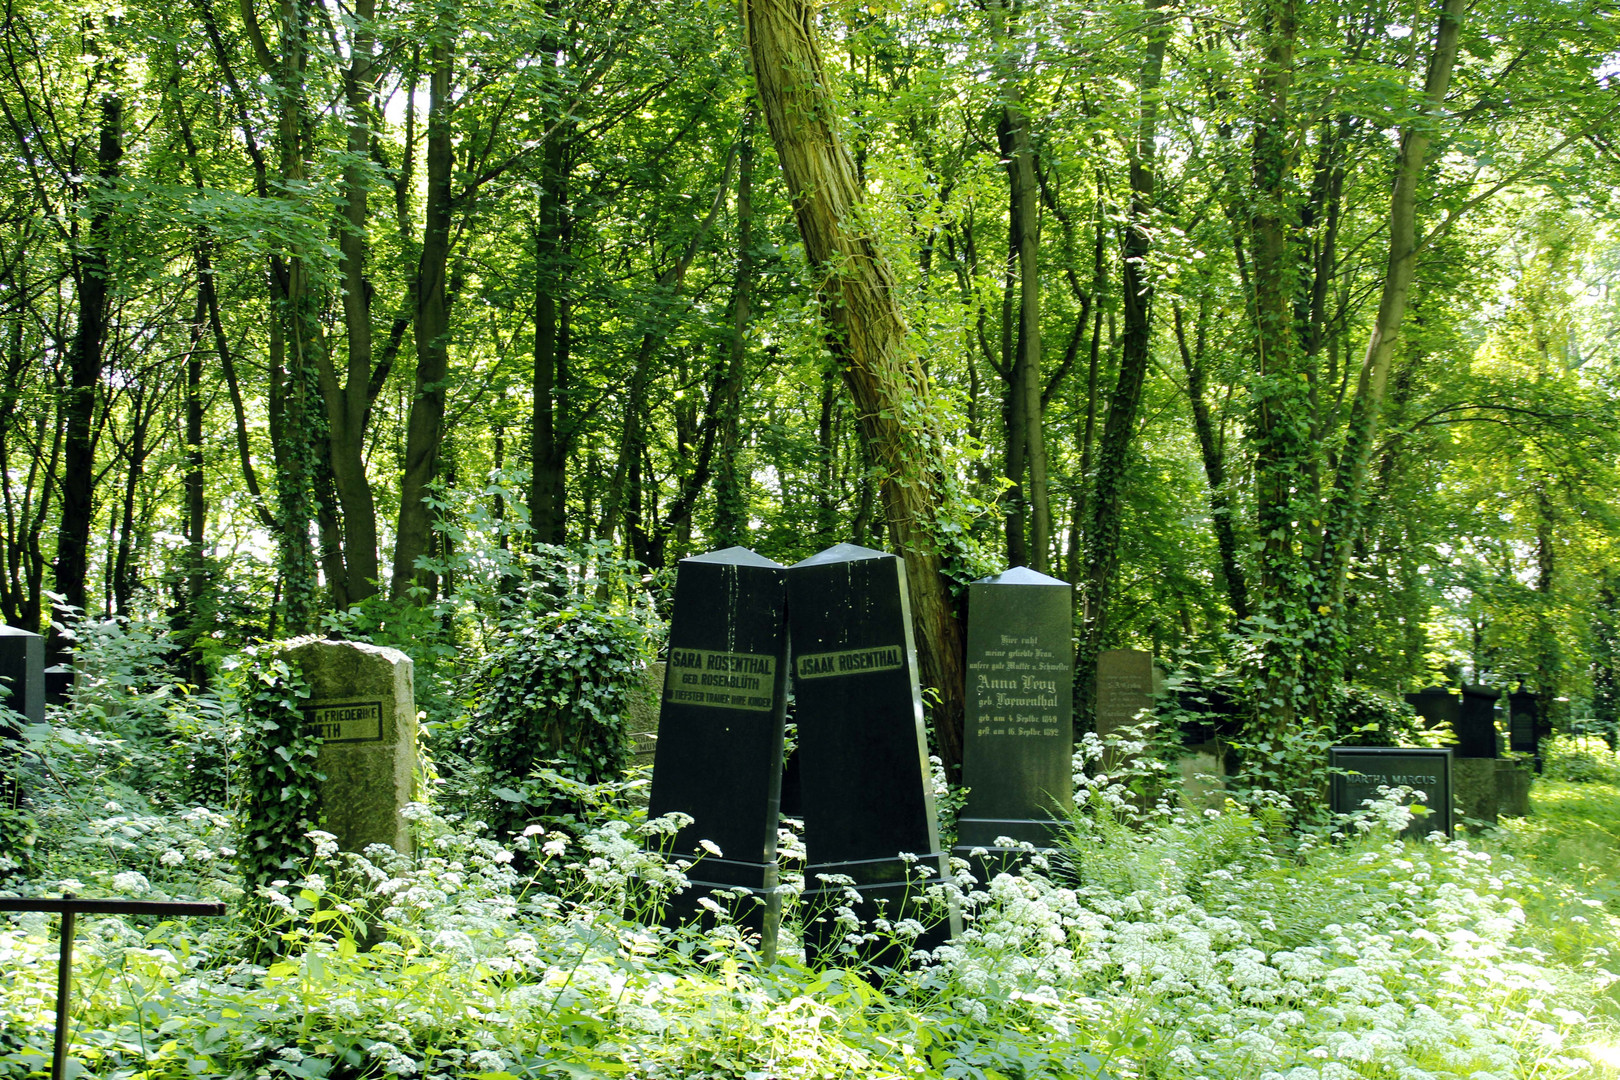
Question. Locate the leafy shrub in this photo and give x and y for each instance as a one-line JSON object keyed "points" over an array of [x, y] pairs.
{"points": [[551, 693]]}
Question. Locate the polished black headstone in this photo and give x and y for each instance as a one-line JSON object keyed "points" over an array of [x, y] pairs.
{"points": [[719, 754], [868, 805], [1017, 755], [1368, 768], [1476, 723], [22, 671]]}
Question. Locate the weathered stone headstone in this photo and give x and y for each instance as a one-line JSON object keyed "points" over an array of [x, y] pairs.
{"points": [[641, 714], [364, 708], [1367, 768], [1477, 736], [1473, 780], [1019, 735], [719, 753], [22, 672], [1512, 788], [1125, 686], [869, 821]]}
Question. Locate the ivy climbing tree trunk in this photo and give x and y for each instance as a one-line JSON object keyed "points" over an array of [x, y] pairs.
{"points": [[1119, 430], [887, 384]]}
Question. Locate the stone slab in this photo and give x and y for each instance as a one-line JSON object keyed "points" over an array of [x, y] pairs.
{"points": [[1512, 787], [1473, 782]]}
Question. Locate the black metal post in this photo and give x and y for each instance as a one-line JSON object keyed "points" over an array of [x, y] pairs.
{"points": [[69, 908], [64, 984]]}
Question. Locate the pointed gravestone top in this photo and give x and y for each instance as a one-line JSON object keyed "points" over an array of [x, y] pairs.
{"points": [[733, 556], [843, 553], [1020, 575]]}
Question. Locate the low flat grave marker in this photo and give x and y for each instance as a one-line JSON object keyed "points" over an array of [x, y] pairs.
{"points": [[1019, 738], [719, 752], [363, 706], [1372, 767], [868, 803]]}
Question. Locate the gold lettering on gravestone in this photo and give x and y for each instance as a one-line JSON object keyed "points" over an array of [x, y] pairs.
{"points": [[346, 721], [850, 662], [721, 680], [1015, 689]]}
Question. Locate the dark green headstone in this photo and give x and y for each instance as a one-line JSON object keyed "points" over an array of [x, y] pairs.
{"points": [[868, 805], [1019, 737], [1372, 767], [719, 753]]}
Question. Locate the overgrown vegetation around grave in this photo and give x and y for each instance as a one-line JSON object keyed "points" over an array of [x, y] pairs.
{"points": [[1165, 944]]}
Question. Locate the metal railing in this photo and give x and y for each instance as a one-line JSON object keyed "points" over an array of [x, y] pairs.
{"points": [[70, 908]]}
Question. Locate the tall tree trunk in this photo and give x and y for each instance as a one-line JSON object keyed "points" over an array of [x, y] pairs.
{"points": [[888, 385], [1345, 512], [1025, 412], [424, 432], [550, 425], [348, 407], [1222, 514], [1119, 431], [92, 283], [730, 493]]}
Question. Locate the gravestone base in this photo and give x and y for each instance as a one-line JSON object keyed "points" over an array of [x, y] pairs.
{"points": [[734, 887], [1473, 785], [1512, 787], [976, 844], [889, 889]]}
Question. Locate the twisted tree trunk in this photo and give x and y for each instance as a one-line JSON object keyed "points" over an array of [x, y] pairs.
{"points": [[886, 381]]}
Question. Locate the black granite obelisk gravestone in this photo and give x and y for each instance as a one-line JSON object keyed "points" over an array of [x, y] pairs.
{"points": [[22, 672], [1019, 738], [719, 752], [869, 822]]}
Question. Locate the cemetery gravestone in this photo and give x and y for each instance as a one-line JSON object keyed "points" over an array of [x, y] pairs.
{"points": [[58, 681], [1125, 686], [641, 714], [1367, 768], [1019, 735], [1525, 726], [22, 672], [868, 804], [364, 707], [1436, 705], [719, 752], [1476, 723]]}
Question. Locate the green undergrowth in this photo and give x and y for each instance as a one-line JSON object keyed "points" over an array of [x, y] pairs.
{"points": [[1213, 945]]}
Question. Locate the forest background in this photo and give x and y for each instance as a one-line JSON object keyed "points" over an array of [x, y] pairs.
{"points": [[1286, 332]]}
